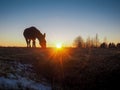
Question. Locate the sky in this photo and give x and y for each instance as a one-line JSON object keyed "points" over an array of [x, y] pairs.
{"points": [[61, 20]]}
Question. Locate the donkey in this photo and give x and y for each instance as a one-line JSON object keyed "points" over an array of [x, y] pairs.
{"points": [[31, 34]]}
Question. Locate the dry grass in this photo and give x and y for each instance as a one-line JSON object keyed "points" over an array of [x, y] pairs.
{"points": [[70, 68]]}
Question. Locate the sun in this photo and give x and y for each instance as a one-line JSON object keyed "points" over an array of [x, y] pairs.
{"points": [[59, 45]]}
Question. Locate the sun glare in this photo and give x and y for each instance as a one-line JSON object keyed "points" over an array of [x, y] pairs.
{"points": [[59, 45]]}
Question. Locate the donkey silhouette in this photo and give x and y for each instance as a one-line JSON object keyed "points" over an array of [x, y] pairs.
{"points": [[31, 34]]}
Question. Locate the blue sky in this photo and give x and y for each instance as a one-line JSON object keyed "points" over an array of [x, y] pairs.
{"points": [[61, 20]]}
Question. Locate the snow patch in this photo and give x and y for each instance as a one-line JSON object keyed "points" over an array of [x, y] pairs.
{"points": [[21, 83]]}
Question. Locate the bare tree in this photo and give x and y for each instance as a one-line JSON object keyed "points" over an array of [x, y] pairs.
{"points": [[79, 42], [88, 42], [105, 39], [96, 40], [92, 42]]}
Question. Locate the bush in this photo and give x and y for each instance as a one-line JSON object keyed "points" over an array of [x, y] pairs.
{"points": [[111, 45], [118, 45], [103, 45]]}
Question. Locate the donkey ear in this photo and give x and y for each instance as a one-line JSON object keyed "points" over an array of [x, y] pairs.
{"points": [[44, 34]]}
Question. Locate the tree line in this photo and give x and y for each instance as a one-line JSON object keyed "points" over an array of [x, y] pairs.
{"points": [[93, 43]]}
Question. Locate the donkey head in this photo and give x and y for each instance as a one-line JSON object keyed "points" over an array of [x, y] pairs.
{"points": [[43, 41]]}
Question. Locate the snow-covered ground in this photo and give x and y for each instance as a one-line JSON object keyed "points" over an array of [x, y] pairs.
{"points": [[16, 75], [21, 83]]}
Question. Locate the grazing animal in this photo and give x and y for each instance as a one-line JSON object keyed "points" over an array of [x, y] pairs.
{"points": [[31, 34]]}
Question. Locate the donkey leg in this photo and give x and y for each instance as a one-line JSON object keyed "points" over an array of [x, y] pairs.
{"points": [[33, 43], [29, 43]]}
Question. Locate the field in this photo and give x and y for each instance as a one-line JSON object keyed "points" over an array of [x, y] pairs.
{"points": [[59, 69]]}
